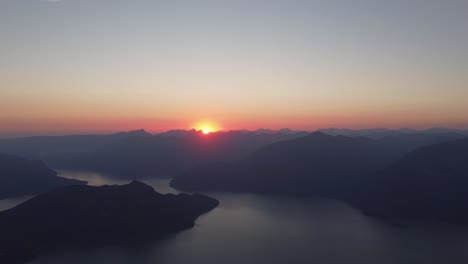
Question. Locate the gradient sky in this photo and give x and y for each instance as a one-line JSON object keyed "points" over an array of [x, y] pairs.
{"points": [[105, 65]]}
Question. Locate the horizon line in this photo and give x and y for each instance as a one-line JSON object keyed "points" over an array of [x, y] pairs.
{"points": [[110, 132]]}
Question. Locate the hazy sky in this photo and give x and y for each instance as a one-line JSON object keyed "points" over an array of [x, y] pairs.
{"points": [[107, 65]]}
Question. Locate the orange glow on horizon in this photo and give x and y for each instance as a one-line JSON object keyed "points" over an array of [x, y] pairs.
{"points": [[206, 127], [75, 124]]}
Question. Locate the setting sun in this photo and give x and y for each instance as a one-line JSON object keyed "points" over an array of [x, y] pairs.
{"points": [[207, 127]]}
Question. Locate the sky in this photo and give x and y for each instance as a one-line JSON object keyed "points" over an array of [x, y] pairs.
{"points": [[73, 66]]}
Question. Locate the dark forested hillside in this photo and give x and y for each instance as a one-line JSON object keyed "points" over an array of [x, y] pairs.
{"points": [[20, 177], [317, 164], [429, 183], [84, 216]]}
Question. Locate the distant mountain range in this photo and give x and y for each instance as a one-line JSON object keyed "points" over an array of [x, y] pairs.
{"points": [[87, 216], [378, 133], [20, 177], [389, 173], [137, 154]]}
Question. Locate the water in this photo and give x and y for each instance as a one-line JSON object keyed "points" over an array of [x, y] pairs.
{"points": [[248, 228]]}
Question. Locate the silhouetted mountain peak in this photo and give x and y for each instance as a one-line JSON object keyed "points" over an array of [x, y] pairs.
{"points": [[180, 133], [133, 133], [319, 134], [137, 189], [139, 132], [137, 183], [139, 186], [285, 131], [264, 131]]}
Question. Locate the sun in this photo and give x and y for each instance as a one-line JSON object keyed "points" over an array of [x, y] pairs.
{"points": [[206, 127]]}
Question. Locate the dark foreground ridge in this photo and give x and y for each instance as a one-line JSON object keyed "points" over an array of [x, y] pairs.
{"points": [[84, 216], [428, 184], [19, 177]]}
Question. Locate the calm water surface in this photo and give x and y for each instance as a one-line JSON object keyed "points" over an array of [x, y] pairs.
{"points": [[248, 228]]}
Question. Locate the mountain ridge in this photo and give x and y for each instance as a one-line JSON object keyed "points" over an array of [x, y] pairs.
{"points": [[22, 177], [84, 216]]}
